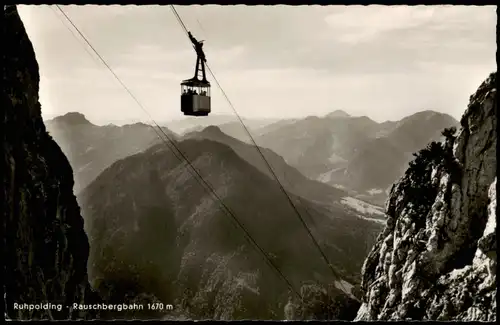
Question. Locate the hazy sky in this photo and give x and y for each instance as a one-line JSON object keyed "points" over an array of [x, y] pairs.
{"points": [[272, 61]]}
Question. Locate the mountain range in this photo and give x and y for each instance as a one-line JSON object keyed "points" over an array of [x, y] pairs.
{"points": [[92, 148], [190, 124], [355, 153]]}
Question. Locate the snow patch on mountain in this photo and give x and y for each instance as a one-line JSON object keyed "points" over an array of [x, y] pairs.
{"points": [[362, 207]]}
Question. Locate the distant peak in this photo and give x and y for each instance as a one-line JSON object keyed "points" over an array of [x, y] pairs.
{"points": [[137, 124], [337, 113], [212, 130], [364, 118], [312, 118], [72, 118], [429, 114]]}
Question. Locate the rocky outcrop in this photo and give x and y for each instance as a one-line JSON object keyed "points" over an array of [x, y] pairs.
{"points": [[436, 258], [45, 247]]}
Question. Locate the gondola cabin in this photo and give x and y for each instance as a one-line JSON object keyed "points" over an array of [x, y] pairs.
{"points": [[195, 92], [195, 97]]}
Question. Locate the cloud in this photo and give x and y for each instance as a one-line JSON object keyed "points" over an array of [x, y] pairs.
{"points": [[384, 62], [363, 23]]}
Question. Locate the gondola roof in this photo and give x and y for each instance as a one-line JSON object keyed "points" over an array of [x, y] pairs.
{"points": [[193, 82]]}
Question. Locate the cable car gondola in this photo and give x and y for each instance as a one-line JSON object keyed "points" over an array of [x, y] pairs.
{"points": [[195, 92]]}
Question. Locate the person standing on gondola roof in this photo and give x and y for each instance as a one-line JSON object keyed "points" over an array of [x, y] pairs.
{"points": [[198, 45]]}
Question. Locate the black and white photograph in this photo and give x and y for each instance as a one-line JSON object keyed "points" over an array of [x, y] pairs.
{"points": [[238, 162]]}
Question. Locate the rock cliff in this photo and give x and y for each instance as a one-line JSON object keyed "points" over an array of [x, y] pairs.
{"points": [[436, 258], [45, 246]]}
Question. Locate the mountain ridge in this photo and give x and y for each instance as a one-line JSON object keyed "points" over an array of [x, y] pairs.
{"points": [[291, 178], [204, 238]]}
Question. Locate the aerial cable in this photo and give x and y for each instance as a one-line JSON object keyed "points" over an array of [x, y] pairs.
{"points": [[201, 27], [325, 258], [172, 143]]}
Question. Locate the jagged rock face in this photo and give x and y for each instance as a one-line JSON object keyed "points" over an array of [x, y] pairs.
{"points": [[436, 258], [45, 246]]}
